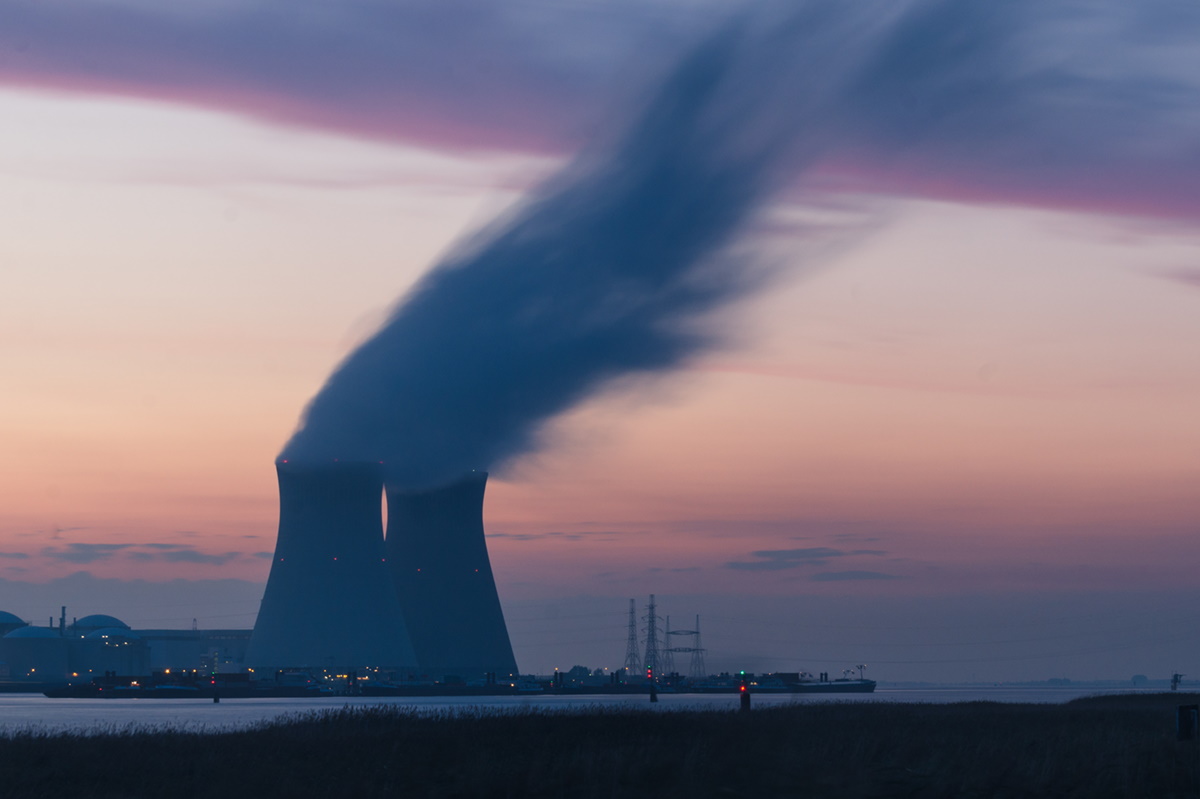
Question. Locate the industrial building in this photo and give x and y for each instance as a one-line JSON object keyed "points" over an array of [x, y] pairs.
{"points": [[329, 601], [98, 644], [439, 562]]}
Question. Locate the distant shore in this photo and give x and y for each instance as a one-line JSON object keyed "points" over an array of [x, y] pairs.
{"points": [[1115, 745]]}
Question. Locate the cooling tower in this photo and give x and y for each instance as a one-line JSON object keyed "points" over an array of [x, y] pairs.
{"points": [[329, 600], [439, 562]]}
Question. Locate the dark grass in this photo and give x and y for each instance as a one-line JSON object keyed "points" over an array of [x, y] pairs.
{"points": [[1114, 746]]}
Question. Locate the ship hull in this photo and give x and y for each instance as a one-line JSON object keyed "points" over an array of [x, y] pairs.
{"points": [[834, 687]]}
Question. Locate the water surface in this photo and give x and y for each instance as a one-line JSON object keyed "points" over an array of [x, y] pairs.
{"points": [[34, 712]]}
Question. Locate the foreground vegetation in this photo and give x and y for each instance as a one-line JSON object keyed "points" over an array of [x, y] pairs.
{"points": [[1096, 747]]}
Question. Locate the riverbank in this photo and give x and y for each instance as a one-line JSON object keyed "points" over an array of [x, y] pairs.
{"points": [[1103, 746]]}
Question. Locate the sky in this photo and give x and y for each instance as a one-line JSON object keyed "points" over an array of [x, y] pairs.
{"points": [[951, 435]]}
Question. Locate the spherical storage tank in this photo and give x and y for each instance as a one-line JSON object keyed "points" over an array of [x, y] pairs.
{"points": [[9, 622], [114, 633], [37, 654], [98, 621]]}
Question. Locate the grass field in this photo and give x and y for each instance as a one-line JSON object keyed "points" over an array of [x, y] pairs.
{"points": [[1097, 747]]}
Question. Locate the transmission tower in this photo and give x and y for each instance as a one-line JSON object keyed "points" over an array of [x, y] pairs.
{"points": [[667, 660], [651, 661], [633, 661], [696, 670]]}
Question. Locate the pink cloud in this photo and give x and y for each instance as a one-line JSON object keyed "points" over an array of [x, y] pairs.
{"points": [[1188, 277]]}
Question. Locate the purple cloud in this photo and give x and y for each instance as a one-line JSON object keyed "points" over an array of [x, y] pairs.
{"points": [[1188, 277], [973, 101], [192, 556], [779, 559], [84, 553], [450, 73], [144, 552], [830, 577]]}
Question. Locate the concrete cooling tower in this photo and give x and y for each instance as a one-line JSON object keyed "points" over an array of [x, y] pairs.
{"points": [[439, 563], [329, 600]]}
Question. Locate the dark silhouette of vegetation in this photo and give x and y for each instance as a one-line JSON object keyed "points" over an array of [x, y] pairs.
{"points": [[1112, 746]]}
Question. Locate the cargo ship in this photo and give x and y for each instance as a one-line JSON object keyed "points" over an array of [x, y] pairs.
{"points": [[839, 686], [780, 683]]}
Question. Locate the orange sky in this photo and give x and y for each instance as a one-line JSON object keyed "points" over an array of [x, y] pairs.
{"points": [[962, 372], [956, 397]]}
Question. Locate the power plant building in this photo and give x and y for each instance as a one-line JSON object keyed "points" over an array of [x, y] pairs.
{"points": [[340, 595], [438, 558], [329, 600]]}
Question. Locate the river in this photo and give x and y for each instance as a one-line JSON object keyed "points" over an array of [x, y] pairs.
{"points": [[36, 713]]}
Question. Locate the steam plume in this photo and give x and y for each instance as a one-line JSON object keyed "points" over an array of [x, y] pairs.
{"points": [[608, 268], [599, 275]]}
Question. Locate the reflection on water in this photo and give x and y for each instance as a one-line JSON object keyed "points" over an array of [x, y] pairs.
{"points": [[34, 712]]}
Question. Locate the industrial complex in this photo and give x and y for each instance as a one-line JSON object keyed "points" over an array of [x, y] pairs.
{"points": [[419, 603], [100, 644], [407, 610]]}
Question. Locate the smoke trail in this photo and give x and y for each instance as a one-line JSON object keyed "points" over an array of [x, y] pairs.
{"points": [[607, 269], [599, 275]]}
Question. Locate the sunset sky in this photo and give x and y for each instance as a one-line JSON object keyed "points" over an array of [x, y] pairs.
{"points": [[954, 436]]}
